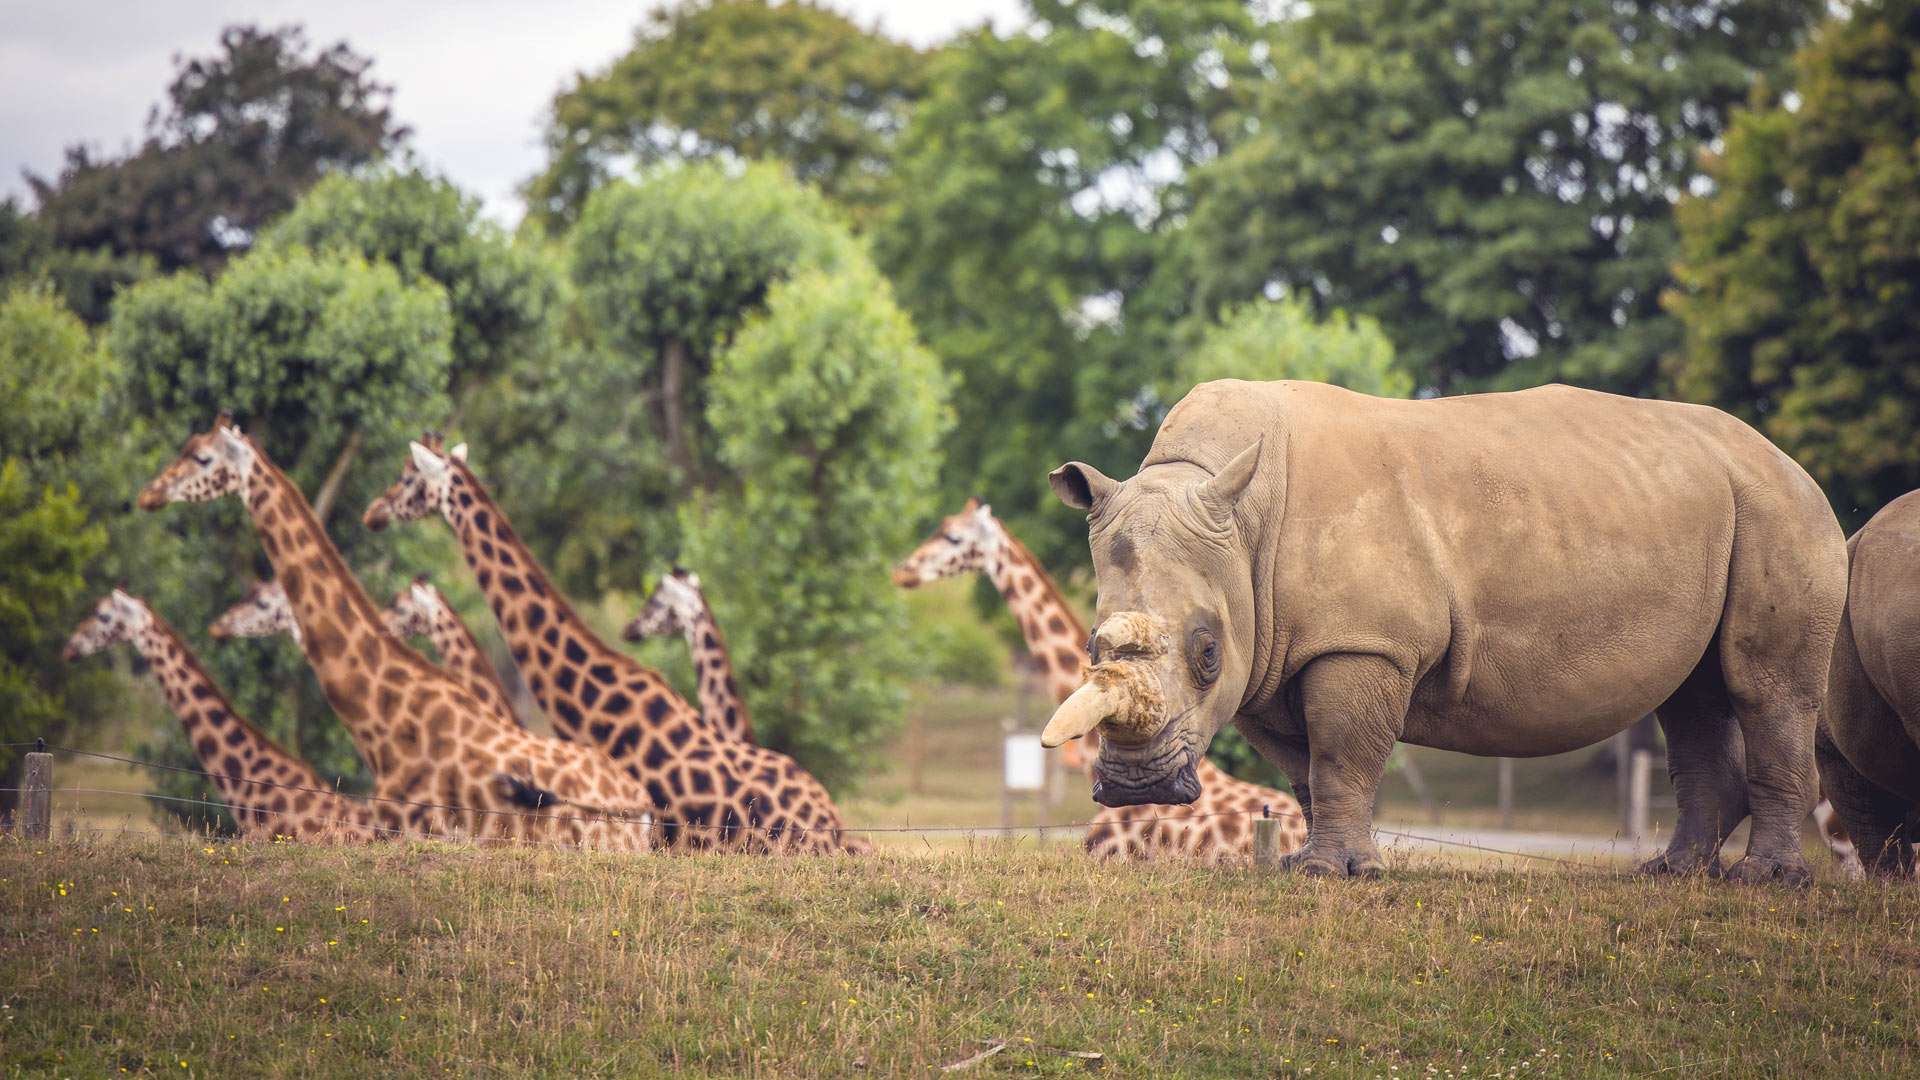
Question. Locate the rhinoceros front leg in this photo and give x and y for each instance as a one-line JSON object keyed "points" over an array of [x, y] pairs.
{"points": [[1354, 708]]}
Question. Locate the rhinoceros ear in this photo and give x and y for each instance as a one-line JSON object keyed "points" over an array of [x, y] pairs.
{"points": [[1081, 486], [1221, 492]]}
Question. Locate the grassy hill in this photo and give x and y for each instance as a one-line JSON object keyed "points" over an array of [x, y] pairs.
{"points": [[179, 958]]}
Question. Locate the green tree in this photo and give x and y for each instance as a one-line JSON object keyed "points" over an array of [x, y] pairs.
{"points": [[1493, 181], [45, 544], [1040, 178], [502, 295], [662, 273], [739, 79], [1282, 339], [829, 414], [242, 134], [1800, 287], [316, 354]]}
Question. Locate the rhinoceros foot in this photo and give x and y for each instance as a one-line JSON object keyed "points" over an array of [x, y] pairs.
{"points": [[1331, 861], [1682, 862], [1758, 869]]}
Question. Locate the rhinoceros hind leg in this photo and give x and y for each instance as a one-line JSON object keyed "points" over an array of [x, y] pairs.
{"points": [[1706, 761], [1875, 818]]}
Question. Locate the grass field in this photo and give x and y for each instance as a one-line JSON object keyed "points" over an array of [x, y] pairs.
{"points": [[178, 958]]}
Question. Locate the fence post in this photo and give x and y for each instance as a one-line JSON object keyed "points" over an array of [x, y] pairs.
{"points": [[1506, 793], [36, 795], [1266, 839], [1640, 779]]}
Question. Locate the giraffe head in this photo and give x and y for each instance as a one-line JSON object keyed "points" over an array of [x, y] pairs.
{"points": [[421, 491], [962, 544], [116, 616], [212, 464], [676, 604], [415, 609], [262, 612]]}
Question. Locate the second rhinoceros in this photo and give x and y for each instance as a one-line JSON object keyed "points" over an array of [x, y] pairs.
{"points": [[1503, 574]]}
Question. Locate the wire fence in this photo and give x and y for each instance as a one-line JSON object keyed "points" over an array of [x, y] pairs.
{"points": [[645, 822]]}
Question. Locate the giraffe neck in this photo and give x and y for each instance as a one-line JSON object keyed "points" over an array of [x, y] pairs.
{"points": [[230, 749], [1055, 636], [720, 701], [588, 688], [362, 671], [462, 657]]}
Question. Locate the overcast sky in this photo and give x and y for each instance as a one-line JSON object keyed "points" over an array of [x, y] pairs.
{"points": [[471, 78]]}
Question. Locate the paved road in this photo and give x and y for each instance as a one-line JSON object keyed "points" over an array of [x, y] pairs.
{"points": [[1493, 843]]}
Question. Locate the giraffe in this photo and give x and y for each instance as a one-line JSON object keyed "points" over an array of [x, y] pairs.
{"points": [[420, 611], [417, 609], [442, 763], [708, 791], [677, 603], [272, 793], [1214, 826]]}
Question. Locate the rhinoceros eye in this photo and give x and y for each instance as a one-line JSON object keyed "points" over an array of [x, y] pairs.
{"points": [[1203, 656]]}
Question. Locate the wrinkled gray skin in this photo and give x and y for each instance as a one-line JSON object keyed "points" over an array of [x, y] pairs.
{"points": [[1868, 747], [1501, 574]]}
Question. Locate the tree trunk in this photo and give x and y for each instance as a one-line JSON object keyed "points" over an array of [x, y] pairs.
{"points": [[330, 488], [673, 380]]}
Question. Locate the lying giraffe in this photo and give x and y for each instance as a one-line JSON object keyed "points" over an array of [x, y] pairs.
{"points": [[1218, 824], [678, 604], [420, 611], [272, 793], [708, 791], [263, 612], [443, 764]]}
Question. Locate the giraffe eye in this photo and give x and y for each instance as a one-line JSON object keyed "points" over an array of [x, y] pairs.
{"points": [[952, 539], [203, 459]]}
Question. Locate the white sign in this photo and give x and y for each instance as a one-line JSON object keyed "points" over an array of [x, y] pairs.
{"points": [[1026, 763]]}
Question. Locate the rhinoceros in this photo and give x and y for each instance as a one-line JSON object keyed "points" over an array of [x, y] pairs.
{"points": [[1866, 748], [1509, 574]]}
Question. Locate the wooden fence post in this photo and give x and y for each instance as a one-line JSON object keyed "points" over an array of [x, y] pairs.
{"points": [[1640, 779], [36, 796], [1266, 840], [1506, 793]]}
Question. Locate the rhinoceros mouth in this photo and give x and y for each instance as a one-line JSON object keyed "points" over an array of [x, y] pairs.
{"points": [[1180, 787], [1121, 779]]}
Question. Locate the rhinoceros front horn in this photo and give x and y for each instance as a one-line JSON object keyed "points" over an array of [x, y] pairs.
{"points": [[1124, 695], [1083, 711]]}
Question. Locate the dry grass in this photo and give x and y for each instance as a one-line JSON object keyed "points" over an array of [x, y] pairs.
{"points": [[181, 958]]}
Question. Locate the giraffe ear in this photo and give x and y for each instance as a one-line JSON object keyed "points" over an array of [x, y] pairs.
{"points": [[233, 444], [125, 603], [458, 453], [983, 513], [426, 460], [693, 579]]}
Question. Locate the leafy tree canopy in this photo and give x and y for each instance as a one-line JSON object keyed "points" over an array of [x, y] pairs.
{"points": [[241, 135], [740, 79], [1800, 287], [1281, 339], [45, 544], [1493, 181], [1039, 179], [502, 295], [829, 414]]}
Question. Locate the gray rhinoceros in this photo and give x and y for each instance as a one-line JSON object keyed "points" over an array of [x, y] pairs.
{"points": [[1869, 742], [1504, 574]]}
